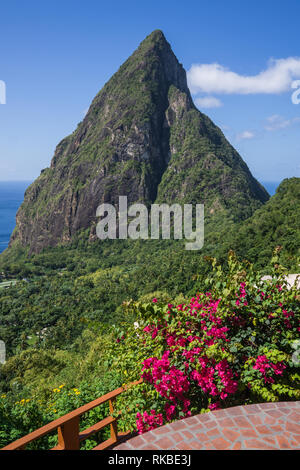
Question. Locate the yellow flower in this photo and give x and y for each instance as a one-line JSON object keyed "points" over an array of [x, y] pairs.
{"points": [[3, 396], [61, 386]]}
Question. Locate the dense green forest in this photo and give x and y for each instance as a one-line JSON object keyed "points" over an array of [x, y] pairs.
{"points": [[69, 301], [64, 287], [59, 362]]}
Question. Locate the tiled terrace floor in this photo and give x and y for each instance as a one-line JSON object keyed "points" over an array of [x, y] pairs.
{"points": [[263, 426]]}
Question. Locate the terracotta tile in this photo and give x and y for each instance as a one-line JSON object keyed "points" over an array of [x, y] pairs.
{"points": [[226, 422], [270, 420], [197, 445], [293, 427], [295, 443], [183, 446], [248, 433], [256, 420], [230, 434], [274, 413], [178, 425], [196, 427], [277, 423], [163, 429], [124, 446], [296, 439], [282, 420], [277, 428], [292, 404], [235, 411], [294, 416], [270, 440], [242, 422], [252, 409], [136, 442], [237, 446], [218, 414], [263, 430], [220, 443], [256, 444], [283, 442], [203, 418], [149, 437], [188, 435], [176, 437], [279, 404], [211, 424], [201, 437], [165, 443], [213, 432], [149, 447], [191, 421], [267, 406], [285, 410], [209, 446]]}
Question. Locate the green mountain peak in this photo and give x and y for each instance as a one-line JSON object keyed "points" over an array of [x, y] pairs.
{"points": [[144, 138]]}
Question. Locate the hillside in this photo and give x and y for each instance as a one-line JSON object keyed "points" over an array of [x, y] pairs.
{"points": [[164, 150], [67, 300], [142, 137], [277, 223], [89, 281]]}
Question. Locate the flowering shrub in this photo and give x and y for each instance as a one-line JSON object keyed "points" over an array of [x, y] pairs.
{"points": [[229, 346], [147, 422]]}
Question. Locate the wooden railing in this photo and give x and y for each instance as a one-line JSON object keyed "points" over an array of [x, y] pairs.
{"points": [[69, 436]]}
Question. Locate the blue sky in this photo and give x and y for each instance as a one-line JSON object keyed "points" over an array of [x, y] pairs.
{"points": [[56, 55]]}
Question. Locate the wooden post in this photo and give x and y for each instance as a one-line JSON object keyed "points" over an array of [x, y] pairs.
{"points": [[113, 426], [67, 426], [68, 435]]}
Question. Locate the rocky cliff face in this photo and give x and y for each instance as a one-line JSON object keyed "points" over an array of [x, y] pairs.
{"points": [[142, 137]]}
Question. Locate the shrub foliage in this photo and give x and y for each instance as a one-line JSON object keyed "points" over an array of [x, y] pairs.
{"points": [[234, 344]]}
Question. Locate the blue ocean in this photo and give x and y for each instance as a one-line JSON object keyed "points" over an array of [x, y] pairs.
{"points": [[271, 186], [11, 197]]}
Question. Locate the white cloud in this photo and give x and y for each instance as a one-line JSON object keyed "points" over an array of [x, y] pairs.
{"points": [[214, 78], [276, 122], [208, 102], [245, 135]]}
